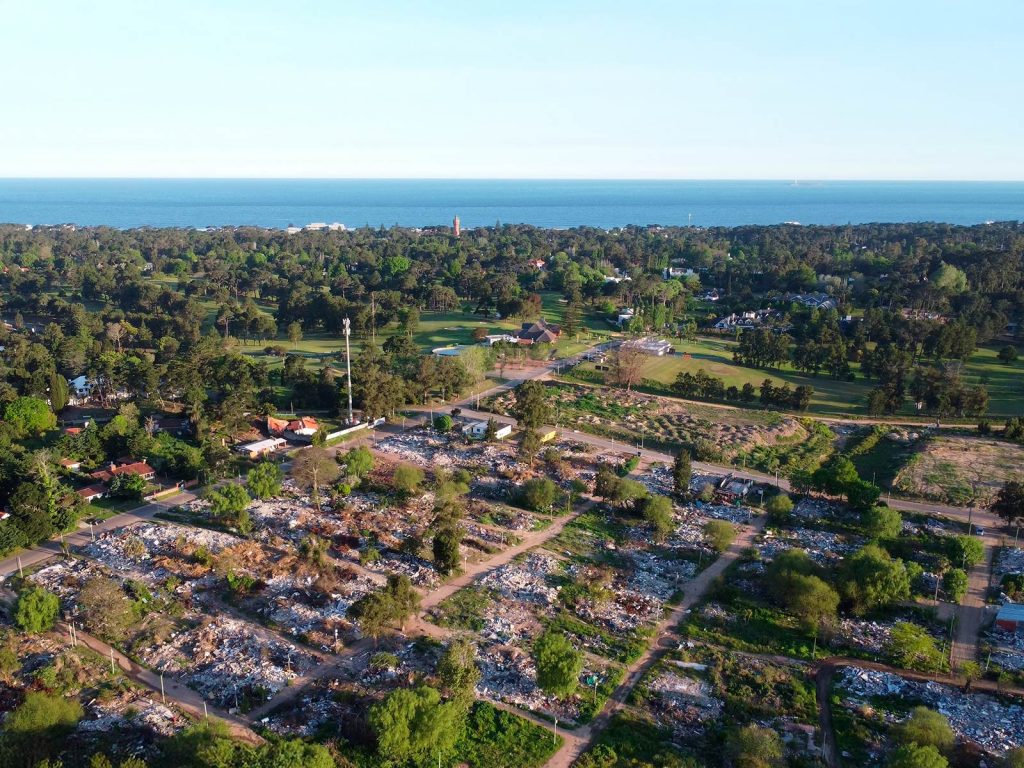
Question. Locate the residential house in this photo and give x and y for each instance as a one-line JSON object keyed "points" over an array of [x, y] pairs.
{"points": [[92, 492], [71, 465], [625, 316], [499, 338], [813, 300], [479, 430], [540, 332], [113, 470], [79, 389], [305, 426], [671, 272]]}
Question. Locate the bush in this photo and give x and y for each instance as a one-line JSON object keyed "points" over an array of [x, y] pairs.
{"points": [[558, 664], [954, 584], [538, 494], [779, 507], [36, 610], [719, 534], [912, 648], [406, 479], [443, 423]]}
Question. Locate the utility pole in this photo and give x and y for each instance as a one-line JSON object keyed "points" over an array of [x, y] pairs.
{"points": [[347, 325]]}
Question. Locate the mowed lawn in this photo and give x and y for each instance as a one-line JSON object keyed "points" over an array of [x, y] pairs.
{"points": [[831, 397], [435, 329]]}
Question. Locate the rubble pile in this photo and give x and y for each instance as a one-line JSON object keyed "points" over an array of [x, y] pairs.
{"points": [[226, 659], [507, 517], [813, 509], [130, 547], [509, 675], [993, 725], [315, 709], [289, 518], [823, 547], [510, 622], [689, 531], [1011, 560], [657, 576], [1010, 653], [420, 572], [683, 702], [627, 611], [870, 636], [289, 605], [738, 515], [105, 716], [526, 580], [65, 577], [658, 480]]}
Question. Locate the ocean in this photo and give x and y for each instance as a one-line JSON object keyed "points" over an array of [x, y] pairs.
{"points": [[128, 203]]}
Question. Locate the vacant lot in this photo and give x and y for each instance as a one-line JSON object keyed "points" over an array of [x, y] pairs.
{"points": [[832, 397], [957, 469]]}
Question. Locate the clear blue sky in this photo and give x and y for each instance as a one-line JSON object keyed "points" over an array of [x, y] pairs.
{"points": [[817, 89]]}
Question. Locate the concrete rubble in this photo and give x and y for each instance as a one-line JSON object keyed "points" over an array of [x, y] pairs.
{"points": [[225, 659], [134, 548], [812, 509], [1011, 560], [525, 580], [823, 547], [992, 724], [105, 716], [682, 703]]}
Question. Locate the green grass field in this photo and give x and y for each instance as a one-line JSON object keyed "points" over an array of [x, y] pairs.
{"points": [[831, 397], [436, 329]]}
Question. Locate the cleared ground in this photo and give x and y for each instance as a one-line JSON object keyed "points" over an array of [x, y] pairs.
{"points": [[956, 469], [832, 397]]}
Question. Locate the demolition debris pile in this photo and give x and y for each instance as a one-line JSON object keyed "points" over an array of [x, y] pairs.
{"points": [[230, 661], [992, 724]]}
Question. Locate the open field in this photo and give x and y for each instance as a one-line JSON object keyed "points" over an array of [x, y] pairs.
{"points": [[956, 470], [435, 329], [832, 397]]}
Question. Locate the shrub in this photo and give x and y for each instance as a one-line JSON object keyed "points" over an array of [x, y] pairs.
{"points": [[538, 494], [36, 610], [720, 534], [406, 479]]}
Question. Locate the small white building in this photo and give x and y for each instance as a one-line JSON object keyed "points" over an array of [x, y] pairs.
{"points": [[80, 388], [478, 430], [262, 447], [499, 338]]}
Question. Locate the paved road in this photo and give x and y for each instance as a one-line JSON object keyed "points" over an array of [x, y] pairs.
{"points": [[83, 535], [958, 514]]}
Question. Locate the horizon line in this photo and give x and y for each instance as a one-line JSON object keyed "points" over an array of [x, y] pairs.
{"points": [[789, 179]]}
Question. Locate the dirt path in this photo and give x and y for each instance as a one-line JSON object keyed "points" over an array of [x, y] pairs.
{"points": [[823, 691], [530, 541], [972, 611], [184, 697], [579, 740], [346, 658]]}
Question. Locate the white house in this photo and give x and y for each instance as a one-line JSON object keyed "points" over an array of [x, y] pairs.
{"points": [[624, 317], [499, 338], [479, 430], [262, 447]]}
